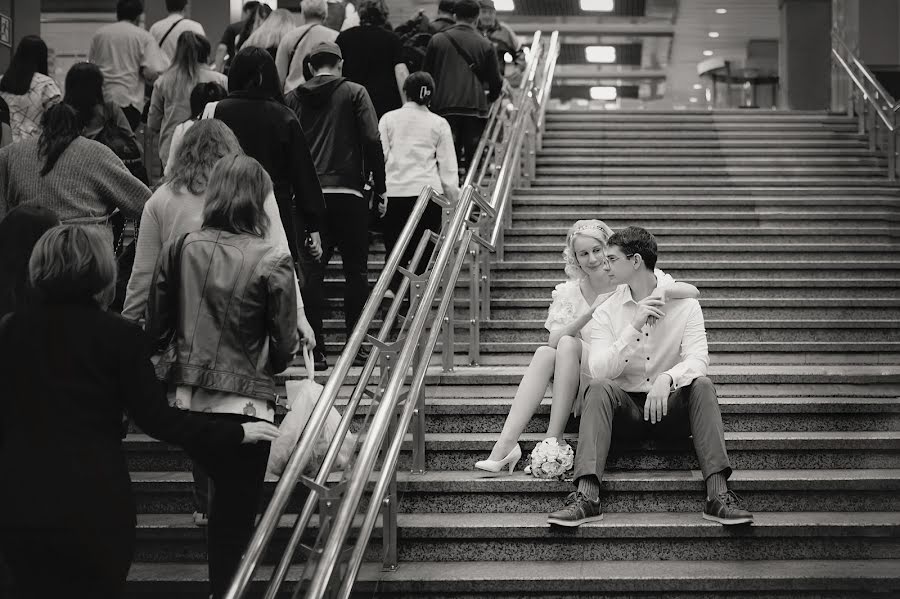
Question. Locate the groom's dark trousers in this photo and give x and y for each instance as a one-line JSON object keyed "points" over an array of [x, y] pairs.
{"points": [[611, 412]]}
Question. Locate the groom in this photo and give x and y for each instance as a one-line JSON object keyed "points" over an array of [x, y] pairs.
{"points": [[649, 370]]}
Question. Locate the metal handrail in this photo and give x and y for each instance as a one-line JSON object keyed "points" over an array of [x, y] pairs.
{"points": [[867, 99], [302, 454]]}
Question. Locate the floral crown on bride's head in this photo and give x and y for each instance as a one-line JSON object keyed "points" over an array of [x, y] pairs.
{"points": [[592, 228]]}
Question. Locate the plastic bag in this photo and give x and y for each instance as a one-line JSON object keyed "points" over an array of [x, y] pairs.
{"points": [[302, 398]]}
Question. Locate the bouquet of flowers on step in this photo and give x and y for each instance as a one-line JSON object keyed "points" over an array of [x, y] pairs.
{"points": [[549, 459]]}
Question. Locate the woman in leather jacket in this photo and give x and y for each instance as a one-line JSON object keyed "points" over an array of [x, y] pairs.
{"points": [[223, 311]]}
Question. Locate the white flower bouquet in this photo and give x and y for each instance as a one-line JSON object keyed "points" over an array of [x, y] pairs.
{"points": [[549, 459]]}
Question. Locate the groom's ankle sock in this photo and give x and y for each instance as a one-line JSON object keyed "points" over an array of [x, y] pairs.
{"points": [[589, 486], [716, 485]]}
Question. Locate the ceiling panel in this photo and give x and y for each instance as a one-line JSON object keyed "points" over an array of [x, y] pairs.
{"points": [[555, 8], [626, 54]]}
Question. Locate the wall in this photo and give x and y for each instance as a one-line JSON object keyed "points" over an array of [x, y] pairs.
{"points": [[25, 21], [879, 26]]}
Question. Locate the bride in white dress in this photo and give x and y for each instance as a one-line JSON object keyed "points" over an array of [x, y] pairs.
{"points": [[564, 359]]}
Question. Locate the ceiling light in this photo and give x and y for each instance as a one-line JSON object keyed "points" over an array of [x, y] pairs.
{"points": [[504, 5], [597, 5], [713, 34], [693, 100], [698, 86], [721, 11], [604, 54], [707, 53], [603, 93]]}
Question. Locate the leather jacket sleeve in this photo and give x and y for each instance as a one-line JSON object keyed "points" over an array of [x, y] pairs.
{"points": [[281, 314]]}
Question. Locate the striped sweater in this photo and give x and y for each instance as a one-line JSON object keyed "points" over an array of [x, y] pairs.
{"points": [[87, 180]]}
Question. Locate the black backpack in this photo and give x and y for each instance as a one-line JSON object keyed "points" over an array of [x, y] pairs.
{"points": [[123, 145], [414, 35]]}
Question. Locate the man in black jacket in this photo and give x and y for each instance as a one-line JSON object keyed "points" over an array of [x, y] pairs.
{"points": [[463, 63], [338, 119]]}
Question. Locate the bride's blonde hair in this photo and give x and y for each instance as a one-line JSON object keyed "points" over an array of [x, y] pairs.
{"points": [[595, 229]]}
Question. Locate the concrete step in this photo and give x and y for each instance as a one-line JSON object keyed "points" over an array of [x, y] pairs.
{"points": [[744, 331], [771, 190], [712, 144], [465, 491], [709, 171], [713, 116], [783, 202], [653, 579], [776, 128], [856, 151], [702, 134], [618, 537], [746, 450], [699, 159], [722, 236], [724, 182]]}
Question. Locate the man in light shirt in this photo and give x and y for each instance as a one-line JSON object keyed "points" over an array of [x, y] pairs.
{"points": [[296, 45], [649, 382], [128, 56], [166, 31]]}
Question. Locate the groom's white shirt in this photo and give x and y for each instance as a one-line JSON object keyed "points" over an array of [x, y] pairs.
{"points": [[675, 345]]}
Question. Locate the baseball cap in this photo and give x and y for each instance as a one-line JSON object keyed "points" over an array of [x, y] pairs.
{"points": [[489, 4], [327, 48]]}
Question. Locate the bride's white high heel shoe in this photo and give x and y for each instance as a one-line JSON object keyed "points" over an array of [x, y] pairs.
{"points": [[495, 466]]}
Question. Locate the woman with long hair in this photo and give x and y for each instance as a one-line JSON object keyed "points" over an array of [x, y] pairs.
{"points": [[418, 151], [75, 177], [19, 231], [84, 93], [83, 542], [223, 364], [270, 132], [564, 359], [27, 88], [170, 104], [270, 33], [201, 95]]}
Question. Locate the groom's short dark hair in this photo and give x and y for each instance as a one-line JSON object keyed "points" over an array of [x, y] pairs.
{"points": [[636, 240]]}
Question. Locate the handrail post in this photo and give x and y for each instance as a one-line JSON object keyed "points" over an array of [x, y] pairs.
{"points": [[892, 149], [389, 559], [447, 352], [418, 426], [474, 297]]}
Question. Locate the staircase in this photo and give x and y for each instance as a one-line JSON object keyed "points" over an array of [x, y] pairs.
{"points": [[788, 226]]}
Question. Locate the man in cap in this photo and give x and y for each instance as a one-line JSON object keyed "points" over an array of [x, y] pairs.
{"points": [[339, 122], [505, 41]]}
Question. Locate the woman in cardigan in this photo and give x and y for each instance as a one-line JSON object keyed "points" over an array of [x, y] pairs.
{"points": [[69, 370], [223, 362], [77, 178]]}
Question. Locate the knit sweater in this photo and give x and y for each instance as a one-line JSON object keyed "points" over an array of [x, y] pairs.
{"points": [[88, 180]]}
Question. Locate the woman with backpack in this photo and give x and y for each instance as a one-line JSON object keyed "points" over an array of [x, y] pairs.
{"points": [[78, 178], [84, 93], [27, 89], [170, 104]]}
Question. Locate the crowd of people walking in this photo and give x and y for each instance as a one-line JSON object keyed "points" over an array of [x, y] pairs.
{"points": [[284, 144]]}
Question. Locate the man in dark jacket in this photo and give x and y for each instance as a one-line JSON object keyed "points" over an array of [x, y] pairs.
{"points": [[463, 63], [338, 119], [444, 19]]}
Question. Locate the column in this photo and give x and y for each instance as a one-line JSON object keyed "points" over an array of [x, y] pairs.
{"points": [[24, 19], [805, 54]]}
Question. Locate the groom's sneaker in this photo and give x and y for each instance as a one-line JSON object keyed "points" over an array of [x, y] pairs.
{"points": [[579, 509], [726, 508]]}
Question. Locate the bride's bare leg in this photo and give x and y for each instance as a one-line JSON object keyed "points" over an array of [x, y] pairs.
{"points": [[566, 377], [528, 398]]}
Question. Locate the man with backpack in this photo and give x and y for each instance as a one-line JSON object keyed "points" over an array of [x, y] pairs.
{"points": [[463, 63], [340, 126], [293, 51]]}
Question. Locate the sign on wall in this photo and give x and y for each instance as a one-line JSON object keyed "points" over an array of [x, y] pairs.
{"points": [[5, 30]]}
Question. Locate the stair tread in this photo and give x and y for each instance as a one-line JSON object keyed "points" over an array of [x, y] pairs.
{"points": [[877, 479], [614, 524], [662, 575]]}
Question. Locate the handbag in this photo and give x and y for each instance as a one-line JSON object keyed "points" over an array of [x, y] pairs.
{"points": [[302, 397]]}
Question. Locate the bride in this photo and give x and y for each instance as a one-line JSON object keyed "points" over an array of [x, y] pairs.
{"points": [[564, 359]]}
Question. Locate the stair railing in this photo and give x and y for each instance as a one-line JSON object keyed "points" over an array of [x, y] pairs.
{"points": [[867, 100], [522, 138], [336, 491]]}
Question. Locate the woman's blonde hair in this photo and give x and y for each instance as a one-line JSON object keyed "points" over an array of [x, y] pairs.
{"points": [[238, 188], [207, 141], [272, 30], [595, 229], [74, 264]]}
